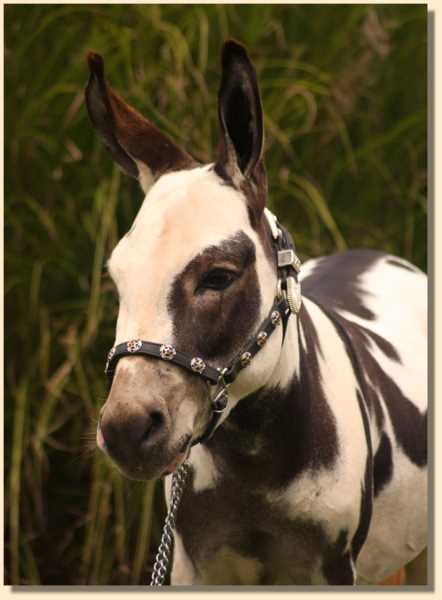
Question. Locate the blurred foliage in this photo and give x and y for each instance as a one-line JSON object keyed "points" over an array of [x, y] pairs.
{"points": [[344, 93]]}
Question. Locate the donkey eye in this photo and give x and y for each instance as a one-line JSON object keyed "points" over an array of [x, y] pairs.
{"points": [[217, 279]]}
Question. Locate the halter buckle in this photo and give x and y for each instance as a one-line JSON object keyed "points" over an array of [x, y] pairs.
{"points": [[288, 258]]}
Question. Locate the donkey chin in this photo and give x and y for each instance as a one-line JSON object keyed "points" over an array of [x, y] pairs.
{"points": [[152, 414]]}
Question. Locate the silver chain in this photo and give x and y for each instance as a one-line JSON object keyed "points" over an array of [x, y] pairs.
{"points": [[162, 558]]}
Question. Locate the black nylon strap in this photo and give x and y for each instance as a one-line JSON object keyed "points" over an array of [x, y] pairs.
{"points": [[152, 349], [210, 428], [279, 314], [280, 308]]}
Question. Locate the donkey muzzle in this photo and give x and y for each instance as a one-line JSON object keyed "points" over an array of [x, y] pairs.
{"points": [[148, 420]]}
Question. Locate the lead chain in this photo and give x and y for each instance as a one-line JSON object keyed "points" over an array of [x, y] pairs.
{"points": [[162, 558]]}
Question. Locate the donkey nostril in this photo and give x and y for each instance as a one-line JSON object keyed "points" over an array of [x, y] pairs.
{"points": [[125, 434], [157, 417]]}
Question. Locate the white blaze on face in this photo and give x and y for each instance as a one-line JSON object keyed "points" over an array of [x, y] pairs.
{"points": [[183, 213]]}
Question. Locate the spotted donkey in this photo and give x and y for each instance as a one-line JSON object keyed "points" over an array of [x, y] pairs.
{"points": [[316, 471]]}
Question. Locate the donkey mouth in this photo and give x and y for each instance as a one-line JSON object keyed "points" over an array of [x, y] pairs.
{"points": [[181, 455], [175, 458]]}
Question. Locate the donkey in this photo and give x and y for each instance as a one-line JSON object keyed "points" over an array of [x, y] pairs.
{"points": [[302, 417]]}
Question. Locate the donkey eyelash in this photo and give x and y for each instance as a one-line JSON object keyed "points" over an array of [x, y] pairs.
{"points": [[217, 279]]}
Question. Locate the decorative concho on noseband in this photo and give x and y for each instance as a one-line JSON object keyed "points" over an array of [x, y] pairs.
{"points": [[275, 317], [167, 352], [245, 359], [197, 365], [134, 345], [261, 338]]}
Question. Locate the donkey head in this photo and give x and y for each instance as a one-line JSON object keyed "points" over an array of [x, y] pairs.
{"points": [[196, 270]]}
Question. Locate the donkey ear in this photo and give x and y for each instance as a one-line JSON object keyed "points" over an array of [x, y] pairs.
{"points": [[134, 142], [240, 114]]}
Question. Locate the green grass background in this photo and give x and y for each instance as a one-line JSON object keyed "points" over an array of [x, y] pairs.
{"points": [[344, 93]]}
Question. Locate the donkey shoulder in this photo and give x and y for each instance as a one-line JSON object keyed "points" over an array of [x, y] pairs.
{"points": [[379, 302]]}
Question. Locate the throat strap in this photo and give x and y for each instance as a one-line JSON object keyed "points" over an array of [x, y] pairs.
{"points": [[279, 315]]}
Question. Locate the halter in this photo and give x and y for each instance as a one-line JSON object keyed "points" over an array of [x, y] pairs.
{"points": [[287, 300]]}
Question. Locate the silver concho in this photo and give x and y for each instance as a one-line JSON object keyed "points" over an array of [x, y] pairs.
{"points": [[197, 365], [294, 297], [261, 338], [167, 352], [245, 359], [134, 345], [275, 317]]}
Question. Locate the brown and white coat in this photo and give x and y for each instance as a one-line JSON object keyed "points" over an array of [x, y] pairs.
{"points": [[317, 471]]}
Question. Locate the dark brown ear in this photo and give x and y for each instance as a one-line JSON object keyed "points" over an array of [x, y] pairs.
{"points": [[134, 142], [240, 158], [241, 121]]}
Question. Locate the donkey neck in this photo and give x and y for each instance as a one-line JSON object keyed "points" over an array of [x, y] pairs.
{"points": [[268, 436]]}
